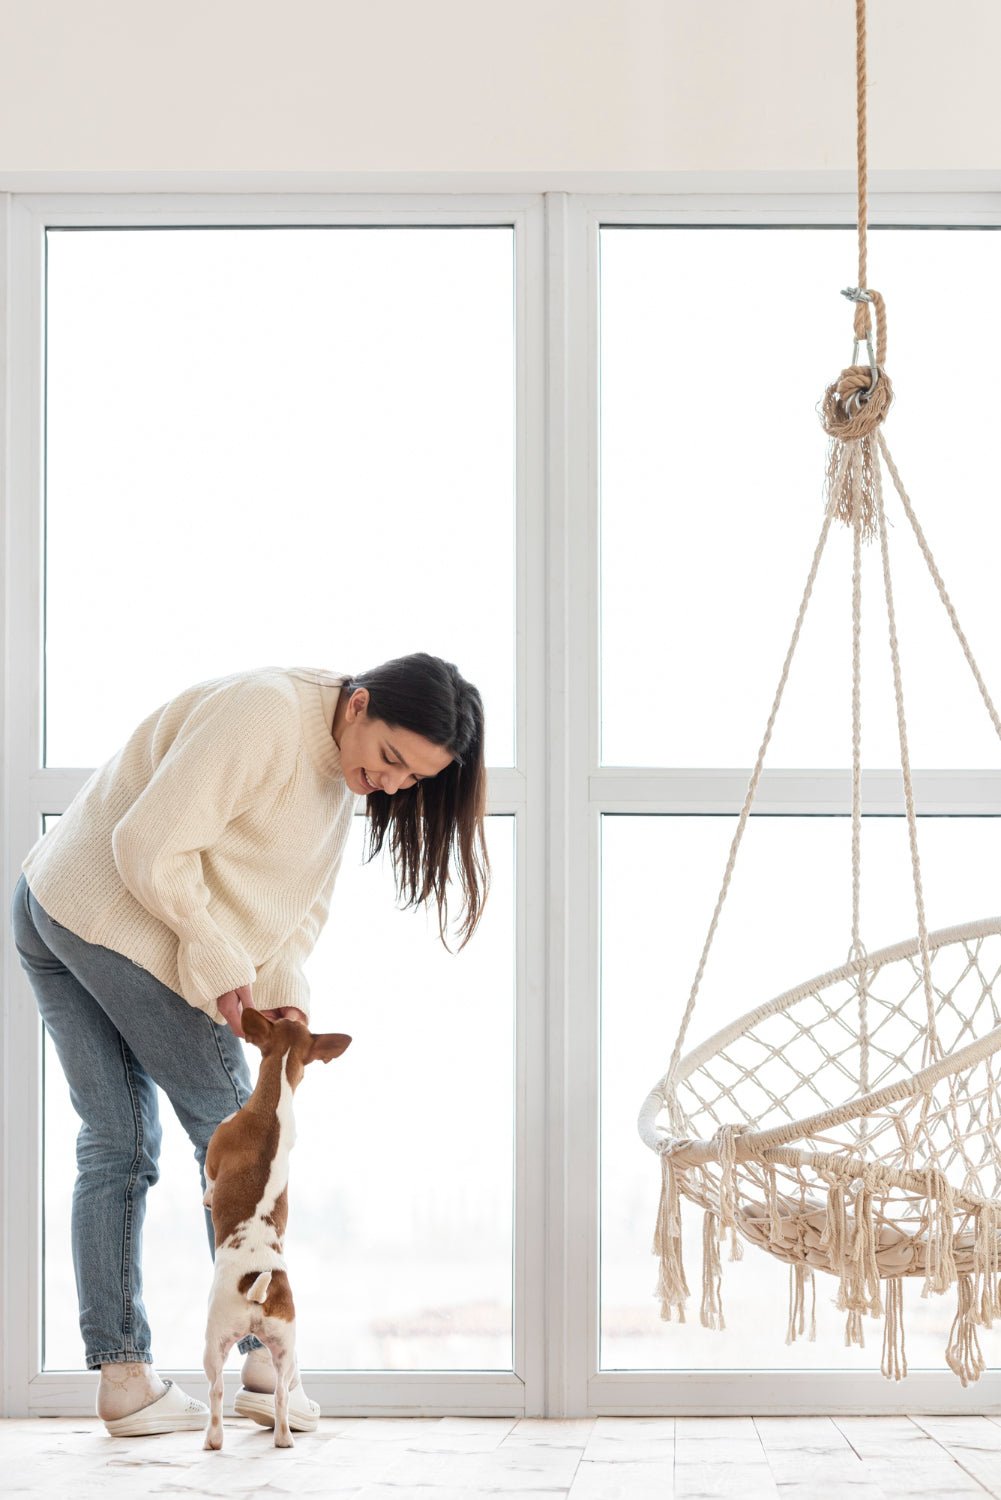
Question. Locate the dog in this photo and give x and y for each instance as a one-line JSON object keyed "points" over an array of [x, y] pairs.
{"points": [[246, 1171]]}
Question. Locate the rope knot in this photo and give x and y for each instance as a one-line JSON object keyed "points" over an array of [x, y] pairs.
{"points": [[850, 409], [724, 1142]]}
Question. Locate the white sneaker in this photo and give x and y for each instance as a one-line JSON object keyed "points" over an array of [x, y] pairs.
{"points": [[303, 1414], [174, 1411]]}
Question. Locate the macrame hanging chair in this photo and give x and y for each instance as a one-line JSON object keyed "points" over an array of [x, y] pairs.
{"points": [[853, 1124]]}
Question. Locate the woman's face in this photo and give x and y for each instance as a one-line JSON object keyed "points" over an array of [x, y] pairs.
{"points": [[375, 758]]}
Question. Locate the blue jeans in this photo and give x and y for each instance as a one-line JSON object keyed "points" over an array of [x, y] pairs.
{"points": [[119, 1032]]}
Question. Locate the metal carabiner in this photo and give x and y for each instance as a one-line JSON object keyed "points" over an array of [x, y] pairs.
{"points": [[857, 294]]}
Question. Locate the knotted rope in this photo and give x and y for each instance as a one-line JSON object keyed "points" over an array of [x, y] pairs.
{"points": [[855, 404]]}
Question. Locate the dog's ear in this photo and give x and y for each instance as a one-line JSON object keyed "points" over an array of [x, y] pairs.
{"points": [[327, 1045], [255, 1028]]}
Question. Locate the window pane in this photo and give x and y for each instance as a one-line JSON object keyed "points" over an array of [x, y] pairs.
{"points": [[787, 919], [400, 1238], [716, 348], [271, 446]]}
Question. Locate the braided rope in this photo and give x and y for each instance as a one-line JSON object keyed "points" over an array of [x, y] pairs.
{"points": [[937, 577], [857, 948], [752, 785], [934, 1046], [862, 326]]}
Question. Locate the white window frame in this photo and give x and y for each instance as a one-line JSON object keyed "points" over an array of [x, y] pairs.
{"points": [[556, 792], [598, 789]]}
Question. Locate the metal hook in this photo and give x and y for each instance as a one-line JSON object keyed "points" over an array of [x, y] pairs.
{"points": [[858, 294]]}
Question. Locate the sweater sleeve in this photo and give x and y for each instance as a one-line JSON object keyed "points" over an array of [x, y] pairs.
{"points": [[280, 980], [231, 744]]}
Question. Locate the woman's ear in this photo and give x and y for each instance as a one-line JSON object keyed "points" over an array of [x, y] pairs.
{"points": [[327, 1045]]}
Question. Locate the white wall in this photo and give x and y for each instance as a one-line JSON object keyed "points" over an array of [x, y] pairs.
{"points": [[515, 85]]}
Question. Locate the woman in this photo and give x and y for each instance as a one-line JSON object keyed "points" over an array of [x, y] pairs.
{"points": [[188, 879]]}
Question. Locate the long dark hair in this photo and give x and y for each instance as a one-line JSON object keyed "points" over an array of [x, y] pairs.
{"points": [[440, 815]]}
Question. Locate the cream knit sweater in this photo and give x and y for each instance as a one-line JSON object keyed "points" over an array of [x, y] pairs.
{"points": [[207, 848]]}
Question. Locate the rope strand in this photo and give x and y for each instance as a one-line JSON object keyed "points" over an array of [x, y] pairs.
{"points": [[862, 324], [749, 798], [933, 1047]]}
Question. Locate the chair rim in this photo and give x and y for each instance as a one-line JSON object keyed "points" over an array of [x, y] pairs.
{"points": [[756, 1141], [941, 938]]}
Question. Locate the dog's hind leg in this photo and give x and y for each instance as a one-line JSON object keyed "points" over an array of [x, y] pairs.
{"points": [[217, 1346], [280, 1339]]}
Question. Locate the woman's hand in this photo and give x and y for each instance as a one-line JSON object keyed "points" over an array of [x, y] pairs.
{"points": [[232, 1004], [231, 1007]]}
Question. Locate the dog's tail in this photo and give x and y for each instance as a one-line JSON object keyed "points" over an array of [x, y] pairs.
{"points": [[259, 1291]]}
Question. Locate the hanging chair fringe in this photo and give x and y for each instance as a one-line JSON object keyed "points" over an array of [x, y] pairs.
{"points": [[850, 1238], [799, 1271], [671, 1288], [894, 1363], [725, 1141], [940, 1214], [864, 1254], [850, 1241], [963, 1354], [712, 1272], [987, 1265]]}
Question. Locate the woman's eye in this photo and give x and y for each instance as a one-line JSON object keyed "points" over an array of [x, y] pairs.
{"points": [[396, 763]]}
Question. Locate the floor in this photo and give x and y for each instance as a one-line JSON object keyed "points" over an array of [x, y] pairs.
{"points": [[463, 1458]]}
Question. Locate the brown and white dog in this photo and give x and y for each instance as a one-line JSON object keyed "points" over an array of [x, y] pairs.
{"points": [[246, 1171]]}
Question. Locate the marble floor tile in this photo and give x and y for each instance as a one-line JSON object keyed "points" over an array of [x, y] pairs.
{"points": [[623, 1479], [467, 1458], [632, 1439]]}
